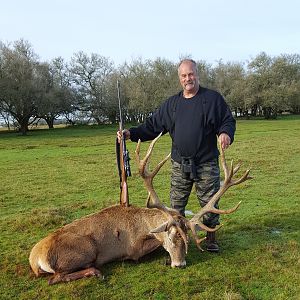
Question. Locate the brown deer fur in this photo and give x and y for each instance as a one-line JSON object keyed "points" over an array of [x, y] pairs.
{"points": [[114, 233]]}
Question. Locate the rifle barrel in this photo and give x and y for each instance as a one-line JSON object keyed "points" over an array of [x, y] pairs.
{"points": [[120, 110]]}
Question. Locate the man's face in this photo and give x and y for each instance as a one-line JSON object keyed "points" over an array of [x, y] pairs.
{"points": [[188, 77]]}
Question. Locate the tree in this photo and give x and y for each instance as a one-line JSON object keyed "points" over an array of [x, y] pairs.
{"points": [[56, 96], [259, 83], [230, 79], [285, 74], [274, 83], [147, 84], [205, 72], [137, 79], [17, 82], [165, 80], [90, 75]]}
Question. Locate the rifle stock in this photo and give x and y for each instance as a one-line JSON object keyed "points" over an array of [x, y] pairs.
{"points": [[124, 197]]}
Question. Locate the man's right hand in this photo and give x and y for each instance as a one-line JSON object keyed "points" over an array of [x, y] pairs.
{"points": [[126, 134]]}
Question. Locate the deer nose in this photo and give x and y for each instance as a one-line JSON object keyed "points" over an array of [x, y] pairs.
{"points": [[180, 265]]}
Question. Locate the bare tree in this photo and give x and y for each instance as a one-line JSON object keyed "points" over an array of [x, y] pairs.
{"points": [[56, 95], [90, 75], [17, 87]]}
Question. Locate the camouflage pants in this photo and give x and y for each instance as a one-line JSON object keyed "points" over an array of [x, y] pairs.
{"points": [[206, 186]]}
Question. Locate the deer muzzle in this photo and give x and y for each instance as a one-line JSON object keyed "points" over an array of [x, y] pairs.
{"points": [[177, 264]]}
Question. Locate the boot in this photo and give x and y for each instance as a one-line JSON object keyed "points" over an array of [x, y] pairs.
{"points": [[211, 243]]}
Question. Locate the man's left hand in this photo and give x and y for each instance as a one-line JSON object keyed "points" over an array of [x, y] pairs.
{"points": [[225, 140]]}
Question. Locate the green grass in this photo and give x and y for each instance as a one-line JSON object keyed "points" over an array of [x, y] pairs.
{"points": [[52, 177]]}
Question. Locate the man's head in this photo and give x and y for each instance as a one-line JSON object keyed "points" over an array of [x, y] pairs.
{"points": [[188, 77]]}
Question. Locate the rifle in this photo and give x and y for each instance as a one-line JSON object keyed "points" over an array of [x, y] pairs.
{"points": [[122, 159]]}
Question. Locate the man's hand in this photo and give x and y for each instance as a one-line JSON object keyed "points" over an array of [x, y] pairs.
{"points": [[126, 134], [225, 140]]}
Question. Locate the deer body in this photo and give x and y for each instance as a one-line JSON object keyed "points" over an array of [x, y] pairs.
{"points": [[118, 232], [114, 233]]}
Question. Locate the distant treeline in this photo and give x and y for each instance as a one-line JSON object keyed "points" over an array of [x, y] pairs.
{"points": [[84, 89]]}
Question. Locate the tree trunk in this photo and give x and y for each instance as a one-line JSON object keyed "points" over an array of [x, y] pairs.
{"points": [[267, 112], [50, 122], [23, 127], [254, 110]]}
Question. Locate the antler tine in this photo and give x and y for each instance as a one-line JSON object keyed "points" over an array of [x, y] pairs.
{"points": [[137, 151], [231, 169], [244, 177], [197, 227], [143, 170], [150, 148], [198, 242], [223, 162], [237, 167], [160, 164]]}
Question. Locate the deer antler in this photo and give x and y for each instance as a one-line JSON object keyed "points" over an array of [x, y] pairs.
{"points": [[148, 176], [153, 199], [195, 224]]}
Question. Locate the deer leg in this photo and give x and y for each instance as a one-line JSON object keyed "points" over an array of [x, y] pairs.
{"points": [[58, 277]]}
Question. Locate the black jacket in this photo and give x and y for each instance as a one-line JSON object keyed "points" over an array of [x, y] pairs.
{"points": [[193, 125]]}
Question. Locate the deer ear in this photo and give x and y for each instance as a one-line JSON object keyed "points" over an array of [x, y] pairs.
{"points": [[161, 228]]}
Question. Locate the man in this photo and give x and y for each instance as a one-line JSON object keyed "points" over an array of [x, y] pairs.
{"points": [[194, 118]]}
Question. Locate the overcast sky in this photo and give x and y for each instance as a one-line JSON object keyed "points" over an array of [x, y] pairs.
{"points": [[232, 30]]}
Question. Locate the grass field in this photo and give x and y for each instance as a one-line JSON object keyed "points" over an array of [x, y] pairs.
{"points": [[52, 177]]}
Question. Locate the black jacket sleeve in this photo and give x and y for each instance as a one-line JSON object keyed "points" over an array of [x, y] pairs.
{"points": [[227, 123], [159, 121]]}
